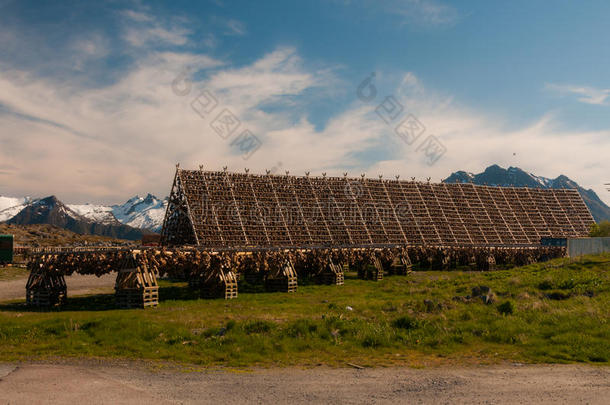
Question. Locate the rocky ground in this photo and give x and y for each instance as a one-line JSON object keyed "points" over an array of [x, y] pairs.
{"points": [[44, 235], [129, 383]]}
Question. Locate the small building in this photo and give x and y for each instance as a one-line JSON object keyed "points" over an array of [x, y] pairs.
{"points": [[6, 248], [588, 246]]}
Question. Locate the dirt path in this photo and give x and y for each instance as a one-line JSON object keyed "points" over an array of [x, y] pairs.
{"points": [[129, 384], [77, 285]]}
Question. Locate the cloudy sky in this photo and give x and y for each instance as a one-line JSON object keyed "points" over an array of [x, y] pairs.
{"points": [[99, 100]]}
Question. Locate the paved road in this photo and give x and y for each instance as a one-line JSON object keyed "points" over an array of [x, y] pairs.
{"points": [[77, 285], [118, 383]]}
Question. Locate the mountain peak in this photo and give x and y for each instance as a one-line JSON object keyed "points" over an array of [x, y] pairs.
{"points": [[150, 199], [495, 175], [48, 201], [133, 199], [495, 168]]}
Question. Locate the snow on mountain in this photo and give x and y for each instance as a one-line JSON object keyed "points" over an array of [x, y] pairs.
{"points": [[53, 212], [9, 206], [143, 213], [97, 213]]}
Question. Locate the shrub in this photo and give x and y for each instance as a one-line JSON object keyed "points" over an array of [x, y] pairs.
{"points": [[600, 230], [405, 322], [301, 328], [559, 295], [375, 336], [567, 284], [506, 308], [257, 327], [545, 285]]}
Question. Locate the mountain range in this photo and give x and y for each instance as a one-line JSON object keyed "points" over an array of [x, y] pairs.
{"points": [[125, 221], [144, 215], [513, 176]]}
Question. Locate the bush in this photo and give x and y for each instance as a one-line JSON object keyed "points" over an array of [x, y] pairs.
{"points": [[258, 327], [558, 295], [375, 336], [506, 308], [301, 328], [545, 285], [600, 230], [405, 322]]}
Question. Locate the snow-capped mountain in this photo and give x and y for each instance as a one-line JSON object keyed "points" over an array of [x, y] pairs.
{"points": [[51, 211], [98, 213], [9, 207], [142, 213]]}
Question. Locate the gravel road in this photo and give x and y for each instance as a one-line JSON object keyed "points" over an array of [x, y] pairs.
{"points": [[125, 383], [77, 285]]}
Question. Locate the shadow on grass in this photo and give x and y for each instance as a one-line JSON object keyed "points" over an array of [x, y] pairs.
{"points": [[102, 302]]}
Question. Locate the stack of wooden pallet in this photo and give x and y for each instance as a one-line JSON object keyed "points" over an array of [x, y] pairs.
{"points": [[45, 289], [372, 272], [332, 275], [136, 286], [282, 280], [218, 283]]}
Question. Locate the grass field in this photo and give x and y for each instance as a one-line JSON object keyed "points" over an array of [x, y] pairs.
{"points": [[553, 312]]}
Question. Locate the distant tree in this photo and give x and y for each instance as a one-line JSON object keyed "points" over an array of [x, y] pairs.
{"points": [[600, 230]]}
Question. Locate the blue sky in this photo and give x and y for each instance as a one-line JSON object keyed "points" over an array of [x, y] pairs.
{"points": [[91, 107]]}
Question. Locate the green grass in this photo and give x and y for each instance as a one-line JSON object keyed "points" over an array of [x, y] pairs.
{"points": [[556, 312]]}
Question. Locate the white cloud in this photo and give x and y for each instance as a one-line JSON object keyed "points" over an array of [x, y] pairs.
{"points": [[156, 35], [108, 142], [588, 95], [210, 41], [89, 49], [138, 16], [142, 28], [475, 140], [424, 13], [235, 27]]}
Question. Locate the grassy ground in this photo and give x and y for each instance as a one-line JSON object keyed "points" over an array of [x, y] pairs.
{"points": [[553, 312]]}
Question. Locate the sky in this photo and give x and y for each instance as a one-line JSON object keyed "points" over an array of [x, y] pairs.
{"points": [[100, 100]]}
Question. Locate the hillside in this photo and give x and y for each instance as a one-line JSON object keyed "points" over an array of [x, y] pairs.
{"points": [[513, 176], [44, 235]]}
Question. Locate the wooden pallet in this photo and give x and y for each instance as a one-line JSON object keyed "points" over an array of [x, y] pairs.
{"points": [[332, 275], [137, 297], [45, 298], [218, 284], [401, 266], [136, 285], [283, 281], [374, 273], [44, 289]]}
